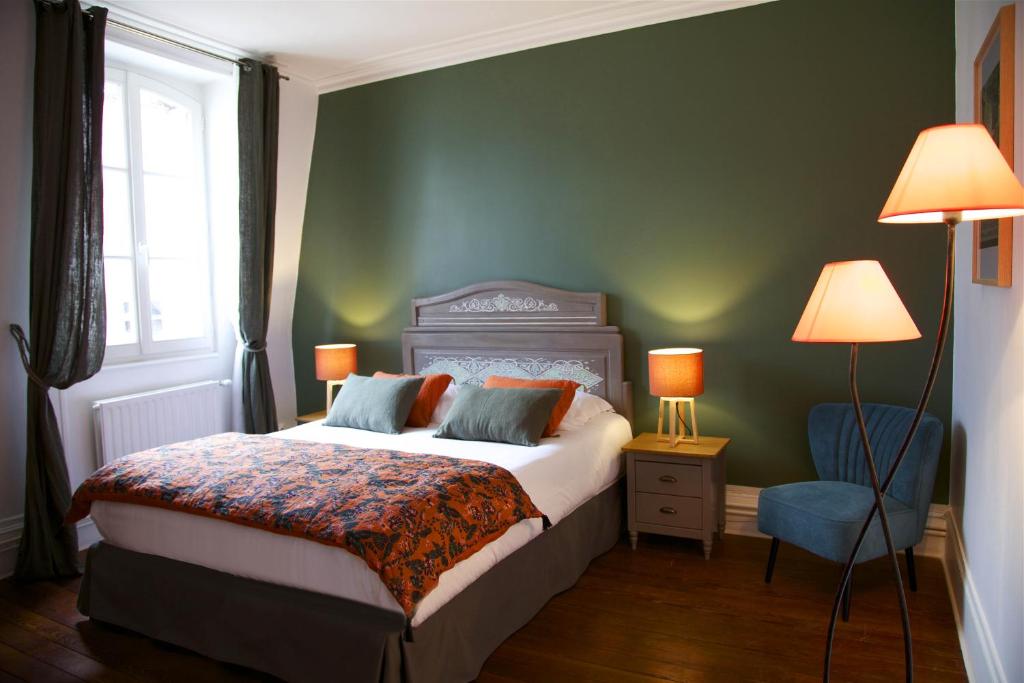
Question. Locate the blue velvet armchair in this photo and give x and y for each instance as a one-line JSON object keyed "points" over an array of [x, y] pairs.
{"points": [[825, 516]]}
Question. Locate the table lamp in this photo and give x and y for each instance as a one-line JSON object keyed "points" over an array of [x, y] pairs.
{"points": [[854, 303], [334, 363], [676, 376], [953, 173]]}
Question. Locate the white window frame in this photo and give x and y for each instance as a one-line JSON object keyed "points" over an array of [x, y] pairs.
{"points": [[146, 348]]}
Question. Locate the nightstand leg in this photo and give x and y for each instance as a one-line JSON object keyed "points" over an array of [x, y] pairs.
{"points": [[632, 539], [707, 548]]}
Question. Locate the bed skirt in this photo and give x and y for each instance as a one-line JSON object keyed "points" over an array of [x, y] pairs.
{"points": [[299, 635]]}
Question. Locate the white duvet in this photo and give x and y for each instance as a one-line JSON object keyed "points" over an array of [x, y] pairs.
{"points": [[560, 474]]}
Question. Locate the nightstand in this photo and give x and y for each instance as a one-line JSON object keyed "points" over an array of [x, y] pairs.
{"points": [[676, 491], [311, 417]]}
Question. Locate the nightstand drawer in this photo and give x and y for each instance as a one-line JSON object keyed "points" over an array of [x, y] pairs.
{"points": [[653, 508], [668, 478]]}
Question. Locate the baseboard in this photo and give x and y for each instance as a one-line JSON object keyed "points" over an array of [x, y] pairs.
{"points": [[981, 658], [741, 510], [741, 519], [10, 535], [87, 533]]}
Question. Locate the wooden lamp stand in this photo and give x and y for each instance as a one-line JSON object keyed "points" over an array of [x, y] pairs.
{"points": [[676, 424], [331, 383]]}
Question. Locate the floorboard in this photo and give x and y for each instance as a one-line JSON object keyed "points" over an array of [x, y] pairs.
{"points": [[659, 613]]}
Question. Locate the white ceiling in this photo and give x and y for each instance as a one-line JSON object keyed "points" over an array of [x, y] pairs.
{"points": [[341, 43]]}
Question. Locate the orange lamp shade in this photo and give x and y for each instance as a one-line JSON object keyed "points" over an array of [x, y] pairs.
{"points": [[855, 302], [954, 169], [676, 372], [335, 361]]}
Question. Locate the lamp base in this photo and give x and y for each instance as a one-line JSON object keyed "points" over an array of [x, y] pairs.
{"points": [[331, 383], [676, 426]]}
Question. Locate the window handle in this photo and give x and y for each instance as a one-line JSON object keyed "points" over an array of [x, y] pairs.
{"points": [[667, 479], [667, 510]]}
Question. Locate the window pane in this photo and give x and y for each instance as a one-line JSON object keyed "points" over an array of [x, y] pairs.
{"points": [[117, 222], [179, 302], [167, 135], [174, 223], [122, 325], [114, 131]]}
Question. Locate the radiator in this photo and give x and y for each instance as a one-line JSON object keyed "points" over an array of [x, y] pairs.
{"points": [[128, 424]]}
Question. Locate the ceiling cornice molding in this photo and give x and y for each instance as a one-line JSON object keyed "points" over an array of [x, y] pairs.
{"points": [[558, 29]]}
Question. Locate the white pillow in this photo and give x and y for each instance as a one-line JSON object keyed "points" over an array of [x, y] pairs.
{"points": [[584, 408], [444, 404]]}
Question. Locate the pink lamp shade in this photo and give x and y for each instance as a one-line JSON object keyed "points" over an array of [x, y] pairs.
{"points": [[335, 361], [854, 302], [676, 372], [954, 169]]}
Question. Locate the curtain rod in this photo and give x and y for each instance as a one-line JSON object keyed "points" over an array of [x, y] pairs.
{"points": [[177, 43]]}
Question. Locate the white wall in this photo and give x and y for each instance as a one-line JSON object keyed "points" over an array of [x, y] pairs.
{"points": [[17, 35], [295, 150], [987, 477]]}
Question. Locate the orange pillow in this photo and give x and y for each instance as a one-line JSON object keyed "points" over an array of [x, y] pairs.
{"points": [[567, 386], [430, 393]]}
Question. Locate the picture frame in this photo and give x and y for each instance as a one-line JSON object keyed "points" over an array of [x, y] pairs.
{"points": [[992, 250]]}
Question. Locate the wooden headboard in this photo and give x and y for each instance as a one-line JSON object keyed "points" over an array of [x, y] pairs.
{"points": [[519, 329]]}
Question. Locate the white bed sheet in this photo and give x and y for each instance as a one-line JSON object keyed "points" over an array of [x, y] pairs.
{"points": [[560, 474]]}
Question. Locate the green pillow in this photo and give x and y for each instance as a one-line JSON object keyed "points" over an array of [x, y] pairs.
{"points": [[376, 404], [515, 416]]}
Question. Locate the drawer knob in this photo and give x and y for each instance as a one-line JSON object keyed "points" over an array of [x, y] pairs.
{"points": [[668, 510], [667, 479]]}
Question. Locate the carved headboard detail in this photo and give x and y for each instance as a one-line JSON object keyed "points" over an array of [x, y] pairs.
{"points": [[509, 303], [519, 329]]}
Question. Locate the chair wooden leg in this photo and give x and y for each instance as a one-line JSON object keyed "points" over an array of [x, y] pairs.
{"points": [[911, 569], [847, 599], [772, 554]]}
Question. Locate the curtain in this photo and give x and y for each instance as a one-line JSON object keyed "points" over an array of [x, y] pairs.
{"points": [[67, 309], [257, 200]]}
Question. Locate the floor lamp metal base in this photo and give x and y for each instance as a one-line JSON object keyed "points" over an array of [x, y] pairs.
{"points": [[951, 221], [883, 517]]}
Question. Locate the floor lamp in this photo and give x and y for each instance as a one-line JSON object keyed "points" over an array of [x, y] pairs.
{"points": [[954, 173], [854, 303]]}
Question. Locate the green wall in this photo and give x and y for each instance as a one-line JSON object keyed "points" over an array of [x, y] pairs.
{"points": [[700, 172]]}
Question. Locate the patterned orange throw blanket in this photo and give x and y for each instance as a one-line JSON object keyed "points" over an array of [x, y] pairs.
{"points": [[409, 516]]}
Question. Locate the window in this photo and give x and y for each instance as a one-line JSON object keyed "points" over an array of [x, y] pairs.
{"points": [[156, 244]]}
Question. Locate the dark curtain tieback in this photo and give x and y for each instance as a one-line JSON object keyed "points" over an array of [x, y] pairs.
{"points": [[256, 348], [22, 341]]}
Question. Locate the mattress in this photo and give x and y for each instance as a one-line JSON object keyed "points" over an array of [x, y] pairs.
{"points": [[560, 474]]}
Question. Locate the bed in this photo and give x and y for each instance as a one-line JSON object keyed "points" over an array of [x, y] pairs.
{"points": [[306, 611]]}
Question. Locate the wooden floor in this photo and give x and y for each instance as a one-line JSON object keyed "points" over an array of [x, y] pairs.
{"points": [[660, 613]]}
